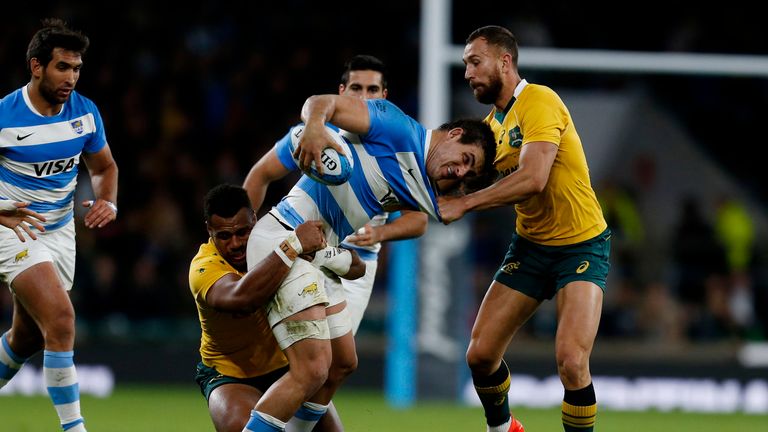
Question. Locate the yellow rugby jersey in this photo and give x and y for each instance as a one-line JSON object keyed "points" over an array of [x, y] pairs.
{"points": [[237, 345], [566, 211]]}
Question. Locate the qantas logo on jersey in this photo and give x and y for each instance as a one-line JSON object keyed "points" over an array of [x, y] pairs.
{"points": [[54, 167]]}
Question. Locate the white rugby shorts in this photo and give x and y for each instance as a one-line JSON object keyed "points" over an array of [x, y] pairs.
{"points": [[303, 287], [358, 293], [57, 246]]}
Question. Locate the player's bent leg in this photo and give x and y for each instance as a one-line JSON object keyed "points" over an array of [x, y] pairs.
{"points": [[579, 307], [40, 291], [343, 363], [501, 314], [230, 406], [305, 340]]}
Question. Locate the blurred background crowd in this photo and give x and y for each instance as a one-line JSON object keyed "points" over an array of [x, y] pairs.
{"points": [[191, 96]]}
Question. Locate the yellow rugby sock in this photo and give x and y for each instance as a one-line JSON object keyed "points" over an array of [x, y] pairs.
{"points": [[579, 410]]}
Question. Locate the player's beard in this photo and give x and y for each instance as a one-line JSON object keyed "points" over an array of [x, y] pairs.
{"points": [[488, 93], [48, 92]]}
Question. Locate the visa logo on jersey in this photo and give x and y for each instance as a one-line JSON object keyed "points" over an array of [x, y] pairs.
{"points": [[54, 167]]}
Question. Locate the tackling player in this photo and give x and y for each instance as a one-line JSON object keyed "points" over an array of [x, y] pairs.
{"points": [[240, 357]]}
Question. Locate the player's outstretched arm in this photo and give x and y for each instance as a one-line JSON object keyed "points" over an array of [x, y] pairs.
{"points": [[16, 216], [262, 173], [235, 294], [531, 177]]}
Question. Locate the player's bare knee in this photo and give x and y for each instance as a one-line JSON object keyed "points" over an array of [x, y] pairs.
{"points": [[572, 365], [60, 330], [481, 362], [343, 367]]}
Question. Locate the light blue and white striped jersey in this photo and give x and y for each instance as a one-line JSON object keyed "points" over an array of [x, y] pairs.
{"points": [[39, 155], [390, 173]]}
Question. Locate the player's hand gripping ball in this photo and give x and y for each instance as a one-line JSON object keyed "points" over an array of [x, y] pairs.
{"points": [[337, 168]]}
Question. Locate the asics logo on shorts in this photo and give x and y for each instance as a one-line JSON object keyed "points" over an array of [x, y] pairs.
{"points": [[310, 289], [21, 256], [582, 267], [511, 267]]}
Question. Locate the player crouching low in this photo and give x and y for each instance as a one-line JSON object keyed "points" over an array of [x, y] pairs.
{"points": [[240, 357]]}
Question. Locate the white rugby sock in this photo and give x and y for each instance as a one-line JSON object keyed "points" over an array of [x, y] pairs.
{"points": [[63, 388], [262, 422], [306, 417]]}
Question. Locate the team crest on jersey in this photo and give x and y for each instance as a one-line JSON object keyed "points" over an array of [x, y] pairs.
{"points": [[77, 126], [515, 137]]}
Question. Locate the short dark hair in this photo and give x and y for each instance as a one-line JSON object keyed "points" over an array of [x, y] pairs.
{"points": [[498, 36], [479, 133], [55, 34], [364, 62], [225, 200]]}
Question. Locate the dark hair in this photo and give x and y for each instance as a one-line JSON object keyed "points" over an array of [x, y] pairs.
{"points": [[498, 36], [55, 34], [478, 133], [365, 62], [225, 200]]}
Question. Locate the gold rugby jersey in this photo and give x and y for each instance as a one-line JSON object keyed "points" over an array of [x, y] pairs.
{"points": [[236, 344], [566, 211]]}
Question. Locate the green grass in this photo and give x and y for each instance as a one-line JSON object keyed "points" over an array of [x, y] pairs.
{"points": [[170, 409]]}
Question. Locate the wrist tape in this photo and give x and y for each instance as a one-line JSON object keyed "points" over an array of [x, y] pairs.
{"points": [[335, 259], [289, 249]]}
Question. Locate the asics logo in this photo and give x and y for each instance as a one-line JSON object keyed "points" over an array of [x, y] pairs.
{"points": [[582, 267]]}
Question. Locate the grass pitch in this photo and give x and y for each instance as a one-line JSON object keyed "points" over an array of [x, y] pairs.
{"points": [[182, 408]]}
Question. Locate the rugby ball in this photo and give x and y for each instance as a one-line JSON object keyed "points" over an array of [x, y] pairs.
{"points": [[337, 168]]}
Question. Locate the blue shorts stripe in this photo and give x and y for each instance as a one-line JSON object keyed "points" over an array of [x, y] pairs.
{"points": [[54, 359], [64, 395]]}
